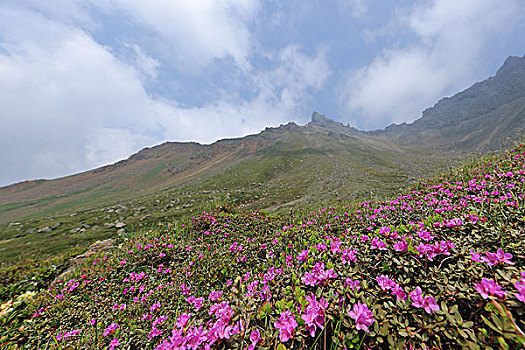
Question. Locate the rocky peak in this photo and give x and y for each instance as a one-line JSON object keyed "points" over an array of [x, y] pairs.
{"points": [[513, 66], [325, 122]]}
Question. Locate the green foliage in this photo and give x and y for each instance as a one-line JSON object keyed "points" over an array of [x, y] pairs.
{"points": [[254, 259]]}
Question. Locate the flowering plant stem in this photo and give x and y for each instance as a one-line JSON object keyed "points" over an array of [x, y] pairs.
{"points": [[504, 312], [316, 340], [361, 342]]}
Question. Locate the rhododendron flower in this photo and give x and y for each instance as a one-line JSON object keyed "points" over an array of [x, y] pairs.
{"points": [[399, 292], [154, 307], [476, 256], [303, 255], [362, 316], [214, 295], [430, 305], [66, 335], [315, 313], [352, 284], [335, 246], [159, 320], [155, 332], [309, 279], [488, 287], [425, 235], [377, 244], [195, 302], [255, 337], [114, 343], [286, 325], [182, 320], [520, 286], [500, 257], [318, 275], [401, 245], [385, 282], [110, 329], [417, 297], [348, 256]]}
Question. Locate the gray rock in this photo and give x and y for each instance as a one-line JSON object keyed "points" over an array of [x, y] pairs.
{"points": [[120, 224]]}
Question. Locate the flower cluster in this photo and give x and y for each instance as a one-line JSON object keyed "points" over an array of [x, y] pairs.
{"points": [[488, 288], [362, 315], [318, 275], [314, 314], [286, 325], [428, 302]]}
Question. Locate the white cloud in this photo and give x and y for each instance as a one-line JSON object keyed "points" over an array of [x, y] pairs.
{"points": [[281, 93], [356, 8], [69, 104], [401, 82], [194, 32], [58, 88], [147, 65]]}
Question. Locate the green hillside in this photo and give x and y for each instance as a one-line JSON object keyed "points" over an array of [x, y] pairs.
{"points": [[439, 265]]}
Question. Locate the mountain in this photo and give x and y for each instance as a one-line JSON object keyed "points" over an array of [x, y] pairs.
{"points": [[478, 119], [283, 168], [320, 160]]}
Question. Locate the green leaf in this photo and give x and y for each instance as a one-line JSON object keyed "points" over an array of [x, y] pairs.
{"points": [[281, 347]]}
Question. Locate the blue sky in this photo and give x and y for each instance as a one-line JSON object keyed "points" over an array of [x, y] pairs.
{"points": [[89, 82]]}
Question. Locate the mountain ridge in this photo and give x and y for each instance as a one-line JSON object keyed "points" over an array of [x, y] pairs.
{"points": [[468, 110], [478, 119]]}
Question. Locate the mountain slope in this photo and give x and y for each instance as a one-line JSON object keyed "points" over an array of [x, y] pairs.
{"points": [[480, 118], [284, 168], [321, 158]]}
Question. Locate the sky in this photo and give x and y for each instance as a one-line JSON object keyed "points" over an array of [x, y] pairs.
{"points": [[85, 83]]}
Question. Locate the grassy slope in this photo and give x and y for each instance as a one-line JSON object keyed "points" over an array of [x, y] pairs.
{"points": [[478, 208], [300, 168]]}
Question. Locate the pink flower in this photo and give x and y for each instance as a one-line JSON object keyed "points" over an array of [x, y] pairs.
{"points": [[255, 337], [377, 244], [182, 320], [401, 246], [399, 292], [286, 325], [417, 298], [520, 286], [318, 275], [362, 316], [110, 329], [303, 255], [195, 302], [214, 295], [385, 282], [66, 335], [315, 313], [114, 343], [154, 307], [488, 287], [476, 256], [352, 284], [425, 235], [335, 246], [159, 320], [309, 279], [155, 332], [348, 256], [430, 305], [500, 257]]}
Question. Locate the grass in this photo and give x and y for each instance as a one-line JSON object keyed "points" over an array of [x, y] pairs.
{"points": [[423, 264]]}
